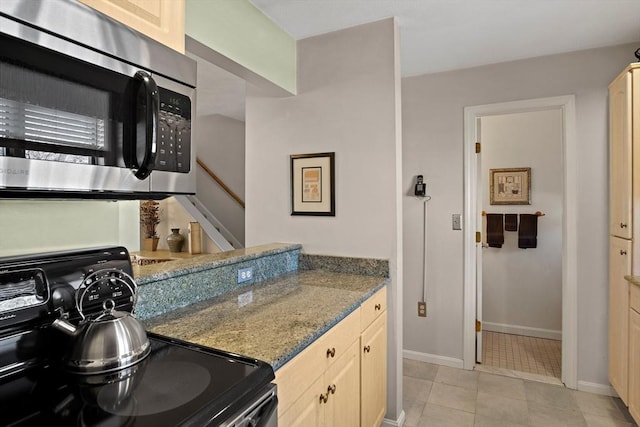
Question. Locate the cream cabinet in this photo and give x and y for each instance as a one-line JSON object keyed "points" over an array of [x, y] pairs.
{"points": [[343, 387], [624, 228], [329, 401], [306, 409], [323, 380], [634, 352], [340, 380], [162, 20], [620, 156], [619, 267], [373, 360]]}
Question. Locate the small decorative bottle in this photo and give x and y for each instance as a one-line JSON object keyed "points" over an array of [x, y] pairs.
{"points": [[175, 240]]}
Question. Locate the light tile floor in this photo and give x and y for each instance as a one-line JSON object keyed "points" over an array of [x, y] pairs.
{"points": [[441, 396], [526, 354]]}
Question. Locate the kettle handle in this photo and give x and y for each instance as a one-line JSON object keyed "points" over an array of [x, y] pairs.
{"points": [[99, 277]]}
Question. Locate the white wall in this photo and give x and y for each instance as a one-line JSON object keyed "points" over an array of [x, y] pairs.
{"points": [[221, 146], [433, 146], [348, 103], [522, 288]]}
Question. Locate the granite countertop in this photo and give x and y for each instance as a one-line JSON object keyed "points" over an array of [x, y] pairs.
{"points": [[286, 315]]}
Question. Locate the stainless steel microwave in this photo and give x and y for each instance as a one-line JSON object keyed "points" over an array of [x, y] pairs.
{"points": [[90, 108]]}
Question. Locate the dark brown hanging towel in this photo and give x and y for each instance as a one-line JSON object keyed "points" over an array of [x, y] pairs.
{"points": [[495, 230], [511, 222], [528, 234]]}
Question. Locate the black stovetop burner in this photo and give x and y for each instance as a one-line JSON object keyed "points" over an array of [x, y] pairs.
{"points": [[178, 384]]}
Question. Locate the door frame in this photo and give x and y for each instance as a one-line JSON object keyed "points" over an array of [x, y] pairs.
{"points": [[569, 225]]}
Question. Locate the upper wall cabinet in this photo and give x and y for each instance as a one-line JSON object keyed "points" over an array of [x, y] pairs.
{"points": [[162, 20], [621, 155]]}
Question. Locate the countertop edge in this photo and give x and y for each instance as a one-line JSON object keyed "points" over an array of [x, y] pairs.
{"points": [[208, 265]]}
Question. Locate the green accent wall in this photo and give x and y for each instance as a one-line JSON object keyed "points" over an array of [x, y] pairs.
{"points": [[32, 226], [241, 32]]}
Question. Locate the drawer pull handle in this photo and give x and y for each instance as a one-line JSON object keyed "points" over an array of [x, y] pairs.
{"points": [[331, 352], [367, 349], [378, 307], [331, 389], [623, 225], [623, 252], [324, 397]]}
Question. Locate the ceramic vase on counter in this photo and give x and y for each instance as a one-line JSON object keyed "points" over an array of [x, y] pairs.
{"points": [[175, 240]]}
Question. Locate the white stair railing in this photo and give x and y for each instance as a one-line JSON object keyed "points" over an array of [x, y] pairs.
{"points": [[217, 232]]}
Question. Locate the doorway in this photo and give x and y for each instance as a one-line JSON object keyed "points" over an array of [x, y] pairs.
{"points": [[566, 296], [521, 282]]}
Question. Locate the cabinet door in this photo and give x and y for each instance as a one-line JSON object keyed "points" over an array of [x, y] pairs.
{"points": [[634, 368], [306, 411], [162, 20], [619, 266], [297, 375], [620, 156], [343, 388], [373, 382]]}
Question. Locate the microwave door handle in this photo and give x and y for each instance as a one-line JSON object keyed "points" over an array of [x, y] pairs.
{"points": [[151, 115]]}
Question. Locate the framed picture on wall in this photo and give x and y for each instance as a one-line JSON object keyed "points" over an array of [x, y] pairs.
{"points": [[510, 186], [313, 184]]}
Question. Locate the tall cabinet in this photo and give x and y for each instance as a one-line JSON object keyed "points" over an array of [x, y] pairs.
{"points": [[624, 219]]}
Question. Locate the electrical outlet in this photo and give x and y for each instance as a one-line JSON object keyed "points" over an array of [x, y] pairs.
{"points": [[245, 274], [422, 309], [244, 299]]}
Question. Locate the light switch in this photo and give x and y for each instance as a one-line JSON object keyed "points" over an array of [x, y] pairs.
{"points": [[456, 222]]}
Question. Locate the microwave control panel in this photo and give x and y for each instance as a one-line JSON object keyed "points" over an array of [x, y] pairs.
{"points": [[174, 132]]}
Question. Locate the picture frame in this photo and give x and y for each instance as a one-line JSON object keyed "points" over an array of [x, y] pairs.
{"points": [[510, 186], [313, 184]]}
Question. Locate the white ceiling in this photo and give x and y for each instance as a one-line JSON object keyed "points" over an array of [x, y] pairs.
{"points": [[441, 35]]}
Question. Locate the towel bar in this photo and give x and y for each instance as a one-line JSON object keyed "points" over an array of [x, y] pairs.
{"points": [[538, 213]]}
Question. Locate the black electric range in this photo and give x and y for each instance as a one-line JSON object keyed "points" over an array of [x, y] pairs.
{"points": [[178, 384]]}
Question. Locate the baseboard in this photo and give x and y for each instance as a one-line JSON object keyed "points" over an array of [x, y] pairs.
{"points": [[433, 358], [394, 423], [604, 389], [522, 330]]}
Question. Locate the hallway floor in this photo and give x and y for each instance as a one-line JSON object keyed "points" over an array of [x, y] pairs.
{"points": [[441, 396], [520, 353]]}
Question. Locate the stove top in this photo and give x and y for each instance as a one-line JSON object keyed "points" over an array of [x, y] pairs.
{"points": [[178, 384]]}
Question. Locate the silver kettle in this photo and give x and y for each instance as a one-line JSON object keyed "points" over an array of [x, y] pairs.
{"points": [[114, 340]]}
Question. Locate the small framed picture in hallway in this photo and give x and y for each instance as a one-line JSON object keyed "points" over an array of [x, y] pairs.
{"points": [[510, 186], [313, 184]]}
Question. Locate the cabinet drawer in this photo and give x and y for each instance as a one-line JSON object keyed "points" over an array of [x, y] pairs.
{"points": [[300, 372], [372, 308], [634, 297]]}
